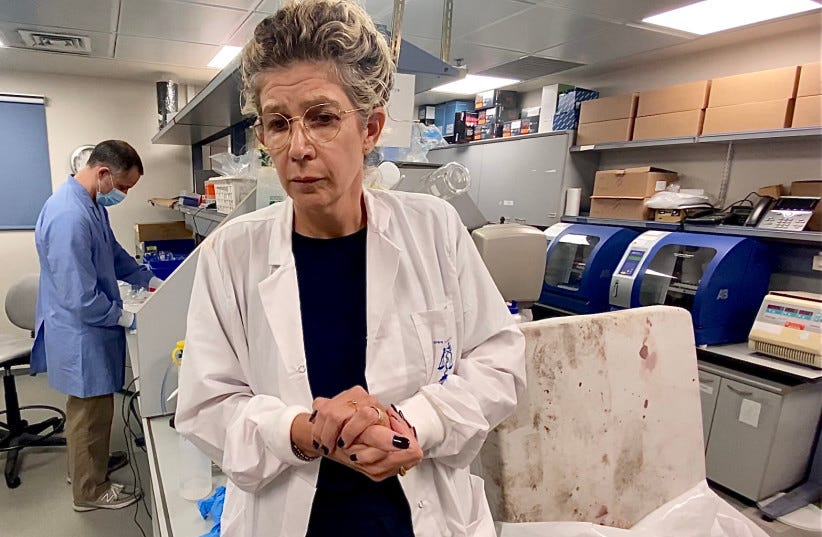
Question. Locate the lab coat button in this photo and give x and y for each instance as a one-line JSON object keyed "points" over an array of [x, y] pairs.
{"points": [[421, 504], [301, 369]]}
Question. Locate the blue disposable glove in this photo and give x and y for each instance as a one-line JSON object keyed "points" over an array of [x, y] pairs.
{"points": [[213, 507]]}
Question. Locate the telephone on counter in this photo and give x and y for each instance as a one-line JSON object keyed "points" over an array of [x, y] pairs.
{"points": [[788, 213], [760, 209]]}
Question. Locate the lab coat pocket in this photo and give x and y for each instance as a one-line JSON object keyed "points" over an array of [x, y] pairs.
{"points": [[437, 336], [480, 522]]}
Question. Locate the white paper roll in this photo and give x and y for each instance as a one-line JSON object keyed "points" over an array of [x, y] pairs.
{"points": [[572, 198]]}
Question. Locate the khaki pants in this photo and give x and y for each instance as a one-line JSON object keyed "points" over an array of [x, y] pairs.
{"points": [[88, 432]]}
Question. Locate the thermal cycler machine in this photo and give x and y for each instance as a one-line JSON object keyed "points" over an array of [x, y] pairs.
{"points": [[720, 279], [579, 263]]}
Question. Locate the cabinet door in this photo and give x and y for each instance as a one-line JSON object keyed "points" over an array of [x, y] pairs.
{"points": [[522, 180], [708, 392], [742, 432]]}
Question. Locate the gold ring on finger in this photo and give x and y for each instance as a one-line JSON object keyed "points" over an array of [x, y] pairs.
{"points": [[402, 471], [379, 413]]}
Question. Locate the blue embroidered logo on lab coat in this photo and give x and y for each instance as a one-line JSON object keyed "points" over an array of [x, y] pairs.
{"points": [[446, 358]]}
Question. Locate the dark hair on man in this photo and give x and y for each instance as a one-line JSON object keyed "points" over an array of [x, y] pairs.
{"points": [[117, 155]]}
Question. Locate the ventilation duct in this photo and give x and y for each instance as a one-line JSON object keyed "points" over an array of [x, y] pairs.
{"points": [[52, 42]]}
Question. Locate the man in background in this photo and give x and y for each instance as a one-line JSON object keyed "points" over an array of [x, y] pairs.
{"points": [[81, 322]]}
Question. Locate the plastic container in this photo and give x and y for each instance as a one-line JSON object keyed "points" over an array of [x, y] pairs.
{"points": [[269, 189], [230, 191], [194, 471], [163, 263]]}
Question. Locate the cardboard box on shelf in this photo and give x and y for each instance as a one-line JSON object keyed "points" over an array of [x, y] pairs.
{"points": [[810, 80], [810, 187], [608, 108], [619, 207], [617, 130], [679, 98], [642, 182], [669, 215], [807, 112], [174, 236], [775, 84], [774, 191], [162, 231], [673, 125], [749, 117]]}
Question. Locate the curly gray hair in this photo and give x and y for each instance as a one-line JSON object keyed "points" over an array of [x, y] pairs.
{"points": [[338, 32]]}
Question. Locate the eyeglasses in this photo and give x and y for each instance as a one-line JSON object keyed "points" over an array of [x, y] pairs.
{"points": [[321, 123]]}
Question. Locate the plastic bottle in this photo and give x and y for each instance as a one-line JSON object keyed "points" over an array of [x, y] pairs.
{"points": [[194, 471], [269, 189]]}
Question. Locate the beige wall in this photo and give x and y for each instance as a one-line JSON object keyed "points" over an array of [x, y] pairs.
{"points": [[82, 110]]}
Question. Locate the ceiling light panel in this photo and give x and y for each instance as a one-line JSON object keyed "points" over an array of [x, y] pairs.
{"points": [[709, 16], [92, 15], [473, 84]]}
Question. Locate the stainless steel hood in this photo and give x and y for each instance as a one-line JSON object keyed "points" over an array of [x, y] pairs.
{"points": [[217, 106]]}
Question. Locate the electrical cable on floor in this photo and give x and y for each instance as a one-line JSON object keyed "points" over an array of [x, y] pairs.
{"points": [[129, 434]]}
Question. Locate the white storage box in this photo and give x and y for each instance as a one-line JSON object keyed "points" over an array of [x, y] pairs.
{"points": [[230, 191]]}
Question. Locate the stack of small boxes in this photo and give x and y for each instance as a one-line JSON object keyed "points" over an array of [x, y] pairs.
{"points": [[808, 111], [568, 107], [494, 108], [609, 119], [675, 111], [751, 102]]}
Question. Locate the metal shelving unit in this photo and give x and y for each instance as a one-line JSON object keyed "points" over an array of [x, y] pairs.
{"points": [[777, 134]]}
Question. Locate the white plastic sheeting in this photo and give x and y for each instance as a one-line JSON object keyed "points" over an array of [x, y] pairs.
{"points": [[699, 512]]}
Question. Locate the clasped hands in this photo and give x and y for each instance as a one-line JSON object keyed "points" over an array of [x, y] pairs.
{"points": [[354, 429]]}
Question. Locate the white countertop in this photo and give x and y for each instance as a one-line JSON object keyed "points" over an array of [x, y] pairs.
{"points": [[175, 516], [741, 352]]}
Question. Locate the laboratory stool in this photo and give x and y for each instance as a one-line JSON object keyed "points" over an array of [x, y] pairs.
{"points": [[16, 433]]}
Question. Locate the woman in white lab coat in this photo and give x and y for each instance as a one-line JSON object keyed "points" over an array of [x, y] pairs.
{"points": [[347, 352]]}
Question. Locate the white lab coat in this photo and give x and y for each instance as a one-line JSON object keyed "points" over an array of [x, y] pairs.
{"points": [[243, 378]]}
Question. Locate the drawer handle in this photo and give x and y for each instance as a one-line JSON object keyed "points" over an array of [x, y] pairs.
{"points": [[740, 392]]}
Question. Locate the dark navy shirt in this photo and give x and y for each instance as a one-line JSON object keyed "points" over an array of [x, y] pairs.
{"points": [[331, 278]]}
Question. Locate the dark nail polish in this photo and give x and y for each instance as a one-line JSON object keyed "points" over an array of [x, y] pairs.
{"points": [[312, 417], [340, 443], [400, 442], [415, 431], [315, 444], [325, 450], [353, 457]]}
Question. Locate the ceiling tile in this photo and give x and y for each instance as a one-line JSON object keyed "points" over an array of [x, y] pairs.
{"points": [[93, 15], [537, 28], [246, 5], [269, 6], [612, 43], [178, 21], [167, 52], [101, 43], [245, 32], [620, 10]]}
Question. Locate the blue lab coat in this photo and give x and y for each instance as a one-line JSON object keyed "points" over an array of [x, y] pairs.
{"points": [[78, 305]]}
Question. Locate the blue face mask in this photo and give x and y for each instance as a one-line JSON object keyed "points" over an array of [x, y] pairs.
{"points": [[112, 198]]}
